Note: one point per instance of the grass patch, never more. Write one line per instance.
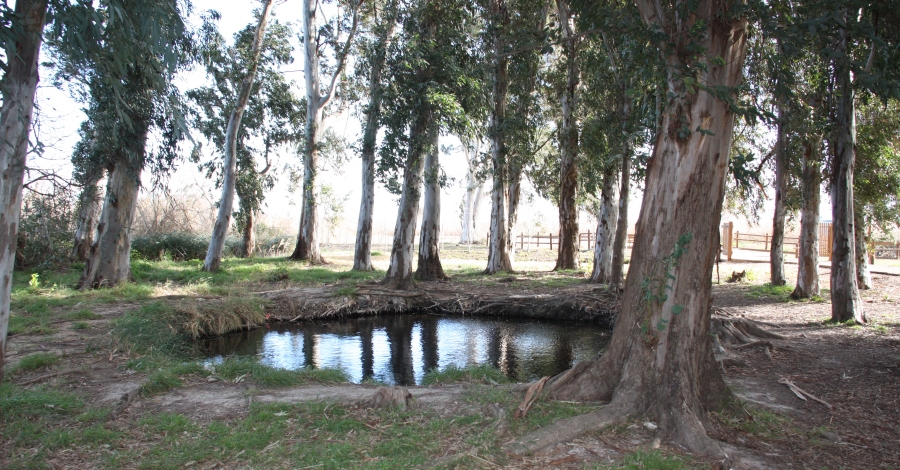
(757, 422)
(347, 291)
(248, 368)
(767, 290)
(80, 325)
(37, 361)
(83, 314)
(484, 374)
(653, 460)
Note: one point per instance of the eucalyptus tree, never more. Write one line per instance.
(82, 26)
(247, 86)
(474, 187)
(383, 19)
(248, 68)
(86, 173)
(315, 40)
(659, 362)
(433, 85)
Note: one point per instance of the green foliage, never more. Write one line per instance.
(83, 314)
(37, 361)
(153, 329)
(46, 229)
(782, 293)
(484, 374)
(653, 460)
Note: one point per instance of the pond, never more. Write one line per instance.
(400, 349)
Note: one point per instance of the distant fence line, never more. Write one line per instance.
(763, 242)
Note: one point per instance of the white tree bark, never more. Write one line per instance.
(89, 208)
(567, 257)
(607, 221)
(229, 165)
(307, 248)
(863, 275)
(473, 190)
(17, 87)
(808, 259)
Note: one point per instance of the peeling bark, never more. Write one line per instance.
(429, 264)
(229, 164)
(808, 259)
(863, 276)
(616, 277)
(660, 363)
(846, 304)
(17, 87)
(400, 273)
(89, 207)
(606, 228)
(567, 256)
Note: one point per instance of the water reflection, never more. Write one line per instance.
(400, 349)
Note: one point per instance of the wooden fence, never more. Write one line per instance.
(585, 241)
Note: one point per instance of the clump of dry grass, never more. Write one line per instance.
(217, 316)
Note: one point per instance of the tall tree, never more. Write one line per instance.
(87, 173)
(429, 263)
(272, 117)
(474, 185)
(307, 248)
(229, 164)
(384, 25)
(659, 362)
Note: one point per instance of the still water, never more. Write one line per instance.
(399, 349)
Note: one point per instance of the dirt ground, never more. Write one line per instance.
(855, 370)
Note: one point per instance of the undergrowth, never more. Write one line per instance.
(484, 374)
(248, 368)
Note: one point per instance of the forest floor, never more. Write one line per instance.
(93, 382)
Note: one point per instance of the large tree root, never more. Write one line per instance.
(734, 332)
(563, 430)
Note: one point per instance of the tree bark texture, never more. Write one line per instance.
(499, 244)
(808, 259)
(846, 304)
(89, 207)
(616, 277)
(567, 256)
(473, 195)
(248, 238)
(863, 275)
(429, 265)
(229, 165)
(17, 88)
(307, 248)
(606, 228)
(660, 363)
(776, 254)
(109, 263)
(400, 273)
(362, 255)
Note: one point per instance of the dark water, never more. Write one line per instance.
(399, 349)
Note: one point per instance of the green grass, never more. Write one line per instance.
(80, 325)
(83, 314)
(654, 460)
(248, 368)
(473, 374)
(37, 361)
(760, 423)
(767, 290)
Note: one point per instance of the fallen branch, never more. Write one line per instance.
(531, 396)
(800, 393)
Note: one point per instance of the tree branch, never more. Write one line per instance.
(325, 98)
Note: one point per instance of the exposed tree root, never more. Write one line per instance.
(563, 430)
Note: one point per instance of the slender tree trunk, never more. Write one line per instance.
(307, 248)
(606, 228)
(248, 241)
(362, 255)
(616, 278)
(776, 254)
(846, 304)
(109, 263)
(863, 276)
(89, 207)
(567, 256)
(476, 209)
(659, 363)
(498, 254)
(17, 88)
(808, 259)
(229, 165)
(468, 235)
(513, 198)
(429, 266)
(400, 273)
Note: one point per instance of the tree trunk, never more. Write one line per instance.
(362, 255)
(429, 266)
(808, 259)
(400, 274)
(229, 165)
(846, 304)
(776, 254)
(567, 256)
(498, 246)
(17, 87)
(863, 276)
(659, 364)
(616, 278)
(468, 234)
(515, 195)
(109, 263)
(248, 242)
(606, 228)
(89, 206)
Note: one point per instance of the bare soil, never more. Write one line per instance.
(854, 369)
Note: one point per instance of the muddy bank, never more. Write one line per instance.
(586, 302)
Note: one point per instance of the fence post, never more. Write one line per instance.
(551, 241)
(728, 239)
